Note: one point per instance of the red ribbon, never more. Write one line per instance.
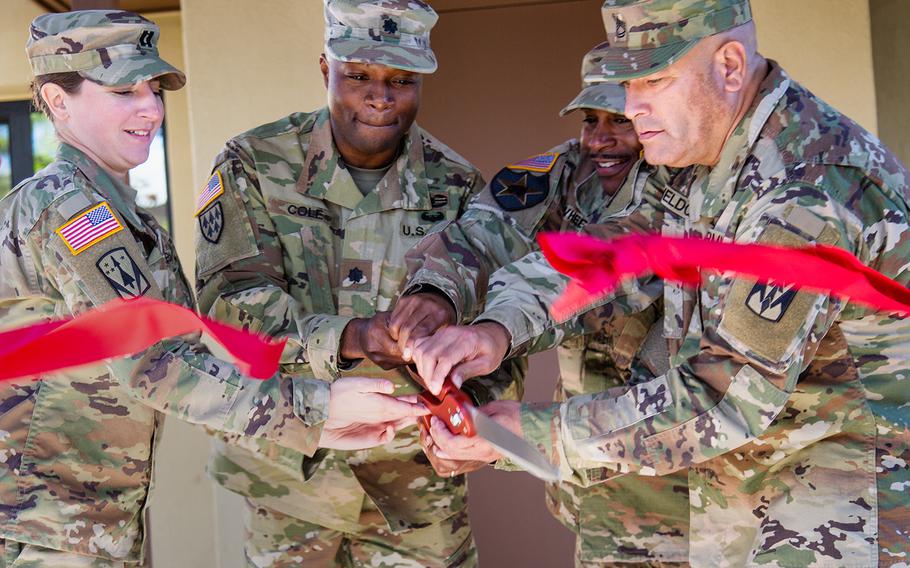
(120, 328)
(597, 267)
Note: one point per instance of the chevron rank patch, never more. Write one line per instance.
(212, 191)
(540, 163)
(517, 190)
(211, 223)
(89, 228)
(123, 274)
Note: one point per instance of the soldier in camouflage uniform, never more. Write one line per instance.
(77, 446)
(786, 407)
(631, 519)
(316, 212)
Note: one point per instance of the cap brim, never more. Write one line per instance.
(620, 64)
(417, 60)
(131, 70)
(593, 96)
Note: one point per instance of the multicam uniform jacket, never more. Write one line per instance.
(300, 252)
(629, 518)
(788, 408)
(76, 447)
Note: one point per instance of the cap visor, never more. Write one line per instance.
(620, 64)
(413, 59)
(130, 70)
(594, 97)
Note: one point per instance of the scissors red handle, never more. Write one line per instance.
(451, 406)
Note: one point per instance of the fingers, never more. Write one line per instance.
(367, 385)
(481, 365)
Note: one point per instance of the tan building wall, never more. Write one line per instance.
(15, 74)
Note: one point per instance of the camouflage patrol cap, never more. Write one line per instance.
(110, 47)
(646, 36)
(595, 93)
(395, 33)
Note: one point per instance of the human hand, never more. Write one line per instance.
(369, 338)
(463, 448)
(443, 467)
(460, 351)
(361, 400)
(417, 316)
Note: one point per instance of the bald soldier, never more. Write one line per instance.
(303, 236)
(786, 408)
(588, 180)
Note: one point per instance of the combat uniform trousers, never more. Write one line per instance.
(17, 555)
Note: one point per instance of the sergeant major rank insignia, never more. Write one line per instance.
(211, 218)
(770, 300)
(123, 274)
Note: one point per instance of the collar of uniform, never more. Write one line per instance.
(403, 187)
(121, 196)
(708, 198)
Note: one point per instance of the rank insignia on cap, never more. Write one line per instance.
(89, 228)
(123, 274)
(211, 223)
(213, 189)
(539, 163)
(514, 191)
(770, 300)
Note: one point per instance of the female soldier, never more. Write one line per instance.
(76, 447)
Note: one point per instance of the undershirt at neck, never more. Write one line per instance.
(366, 180)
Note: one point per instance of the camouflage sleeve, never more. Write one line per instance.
(241, 278)
(729, 384)
(520, 293)
(176, 376)
(459, 259)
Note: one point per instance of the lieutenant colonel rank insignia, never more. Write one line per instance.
(540, 163)
(517, 190)
(356, 275)
(212, 190)
(123, 274)
(211, 222)
(89, 228)
(770, 300)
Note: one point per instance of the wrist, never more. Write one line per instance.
(350, 340)
(497, 335)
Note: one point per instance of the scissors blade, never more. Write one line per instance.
(513, 447)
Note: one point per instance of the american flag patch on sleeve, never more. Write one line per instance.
(539, 163)
(89, 228)
(210, 192)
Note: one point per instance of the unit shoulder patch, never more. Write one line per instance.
(123, 274)
(517, 190)
(540, 163)
(213, 189)
(89, 228)
(211, 223)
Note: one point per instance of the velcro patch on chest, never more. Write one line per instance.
(516, 190)
(89, 228)
(356, 275)
(540, 163)
(213, 189)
